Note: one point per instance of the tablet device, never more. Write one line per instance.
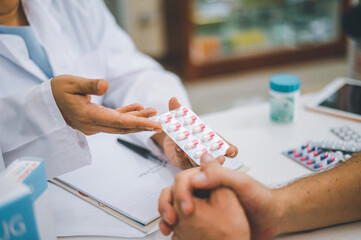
(342, 97)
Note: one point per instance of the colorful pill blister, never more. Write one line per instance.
(313, 157)
(190, 133)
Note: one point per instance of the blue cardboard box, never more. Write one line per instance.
(17, 219)
(31, 172)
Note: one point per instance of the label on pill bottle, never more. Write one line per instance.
(283, 108)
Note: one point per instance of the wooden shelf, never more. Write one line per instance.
(180, 29)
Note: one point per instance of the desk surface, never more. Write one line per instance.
(260, 143)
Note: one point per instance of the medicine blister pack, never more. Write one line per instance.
(313, 157)
(346, 134)
(191, 134)
(339, 145)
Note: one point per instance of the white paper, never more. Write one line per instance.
(76, 217)
(122, 179)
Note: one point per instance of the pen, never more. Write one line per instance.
(146, 153)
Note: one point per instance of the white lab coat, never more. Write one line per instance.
(80, 38)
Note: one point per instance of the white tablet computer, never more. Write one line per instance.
(342, 97)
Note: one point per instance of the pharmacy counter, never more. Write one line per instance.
(261, 143)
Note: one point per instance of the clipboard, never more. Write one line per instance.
(144, 228)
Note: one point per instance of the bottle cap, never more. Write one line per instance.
(284, 82)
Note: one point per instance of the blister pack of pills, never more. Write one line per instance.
(191, 134)
(339, 145)
(313, 157)
(346, 134)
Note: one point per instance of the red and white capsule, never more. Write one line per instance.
(173, 127)
(182, 136)
(165, 119)
(199, 128)
(217, 145)
(199, 153)
(191, 145)
(190, 120)
(207, 137)
(181, 112)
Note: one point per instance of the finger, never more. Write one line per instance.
(174, 104)
(131, 121)
(182, 191)
(206, 158)
(222, 196)
(214, 176)
(147, 113)
(209, 158)
(165, 207)
(164, 228)
(221, 159)
(232, 151)
(129, 108)
(93, 129)
(108, 117)
(84, 86)
(193, 164)
(182, 159)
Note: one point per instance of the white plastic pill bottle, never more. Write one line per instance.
(284, 97)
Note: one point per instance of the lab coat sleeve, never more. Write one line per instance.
(31, 125)
(134, 77)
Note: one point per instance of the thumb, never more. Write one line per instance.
(174, 104)
(223, 197)
(85, 86)
(214, 176)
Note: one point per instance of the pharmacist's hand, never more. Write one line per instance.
(175, 154)
(72, 95)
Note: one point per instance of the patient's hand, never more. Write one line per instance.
(175, 154)
(219, 217)
(265, 207)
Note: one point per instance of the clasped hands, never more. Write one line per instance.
(236, 206)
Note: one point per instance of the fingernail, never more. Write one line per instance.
(165, 218)
(208, 158)
(200, 177)
(179, 149)
(184, 207)
(99, 83)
